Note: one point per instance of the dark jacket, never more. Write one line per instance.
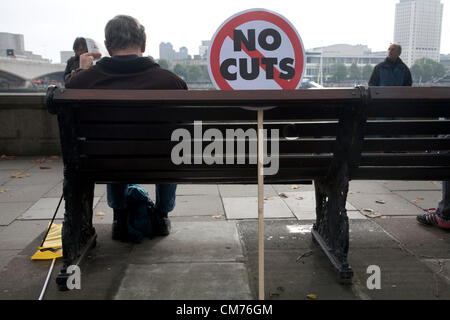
(72, 64)
(134, 73)
(388, 73)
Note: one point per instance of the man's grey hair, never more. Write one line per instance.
(123, 32)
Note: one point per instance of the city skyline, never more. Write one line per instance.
(320, 23)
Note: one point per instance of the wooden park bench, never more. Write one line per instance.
(330, 136)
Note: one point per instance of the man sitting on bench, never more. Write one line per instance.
(125, 41)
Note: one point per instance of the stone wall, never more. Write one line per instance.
(26, 127)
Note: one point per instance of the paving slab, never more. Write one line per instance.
(9, 211)
(56, 191)
(397, 185)
(101, 272)
(292, 187)
(35, 178)
(198, 205)
(403, 275)
(192, 242)
(185, 281)
(45, 208)
(367, 186)
(393, 205)
(20, 233)
(287, 276)
(422, 199)
(16, 164)
(197, 189)
(49, 165)
(424, 241)
(5, 176)
(247, 208)
(103, 214)
(303, 205)
(27, 193)
(441, 267)
(244, 190)
(6, 256)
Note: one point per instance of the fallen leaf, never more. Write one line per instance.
(53, 157)
(380, 201)
(44, 167)
(268, 198)
(5, 157)
(218, 216)
(417, 200)
(99, 213)
(299, 198)
(350, 192)
(283, 195)
(304, 255)
(312, 296)
(372, 215)
(367, 210)
(38, 160)
(294, 187)
(20, 175)
(3, 190)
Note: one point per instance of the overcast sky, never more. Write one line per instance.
(50, 26)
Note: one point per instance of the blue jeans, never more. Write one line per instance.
(165, 196)
(443, 209)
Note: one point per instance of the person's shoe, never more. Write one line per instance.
(119, 226)
(163, 225)
(432, 219)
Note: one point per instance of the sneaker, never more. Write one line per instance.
(432, 219)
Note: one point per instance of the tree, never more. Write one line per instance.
(338, 72)
(424, 70)
(355, 73)
(367, 72)
(180, 70)
(163, 64)
(193, 73)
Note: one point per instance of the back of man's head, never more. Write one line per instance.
(124, 32)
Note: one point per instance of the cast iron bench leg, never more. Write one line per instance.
(331, 230)
(78, 234)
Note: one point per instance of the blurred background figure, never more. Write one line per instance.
(79, 47)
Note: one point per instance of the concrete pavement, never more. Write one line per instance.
(212, 250)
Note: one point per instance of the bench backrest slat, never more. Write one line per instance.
(382, 132)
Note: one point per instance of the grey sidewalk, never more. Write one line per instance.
(212, 250)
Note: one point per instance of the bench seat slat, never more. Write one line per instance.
(155, 164)
(402, 173)
(408, 127)
(139, 131)
(162, 147)
(186, 114)
(405, 144)
(407, 160)
(200, 176)
(408, 109)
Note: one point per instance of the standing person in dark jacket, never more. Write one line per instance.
(125, 41)
(392, 71)
(79, 47)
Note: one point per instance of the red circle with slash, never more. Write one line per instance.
(226, 31)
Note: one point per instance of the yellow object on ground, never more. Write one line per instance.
(52, 247)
